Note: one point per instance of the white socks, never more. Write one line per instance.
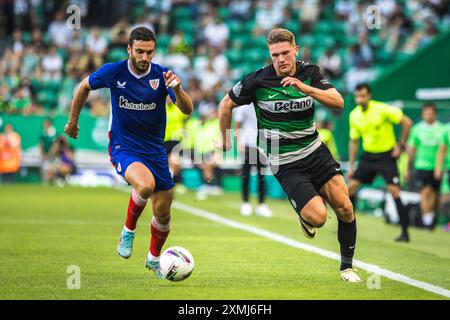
(428, 218)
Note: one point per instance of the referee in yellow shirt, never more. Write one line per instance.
(373, 122)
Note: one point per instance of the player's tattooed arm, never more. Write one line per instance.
(183, 100)
(329, 97)
(71, 128)
(225, 113)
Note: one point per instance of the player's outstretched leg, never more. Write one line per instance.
(312, 216)
(160, 228)
(336, 194)
(143, 184)
(135, 207)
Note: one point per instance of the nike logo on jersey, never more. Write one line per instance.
(273, 95)
(121, 85)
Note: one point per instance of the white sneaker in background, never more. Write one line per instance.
(246, 209)
(263, 210)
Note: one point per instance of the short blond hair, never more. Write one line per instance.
(280, 35)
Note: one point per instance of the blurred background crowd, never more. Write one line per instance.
(211, 44)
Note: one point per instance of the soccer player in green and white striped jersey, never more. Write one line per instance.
(283, 94)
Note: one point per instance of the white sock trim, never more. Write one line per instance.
(151, 257)
(128, 230)
(160, 227)
(138, 199)
(428, 218)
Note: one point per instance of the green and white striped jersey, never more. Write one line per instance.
(286, 128)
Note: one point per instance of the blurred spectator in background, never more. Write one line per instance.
(324, 126)
(216, 32)
(120, 31)
(220, 64)
(305, 54)
(210, 80)
(309, 13)
(64, 160)
(59, 34)
(23, 101)
(269, 13)
(52, 64)
(96, 46)
(31, 60)
(172, 139)
(206, 151)
(46, 141)
(240, 9)
(330, 63)
(421, 37)
(343, 8)
(17, 45)
(423, 144)
(10, 144)
(246, 132)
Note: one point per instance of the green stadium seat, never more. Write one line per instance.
(249, 26)
(323, 26)
(117, 54)
(181, 12)
(224, 12)
(293, 25)
(259, 42)
(255, 55)
(163, 40)
(233, 55)
(51, 84)
(305, 40)
(324, 40)
(47, 98)
(185, 25)
(234, 26)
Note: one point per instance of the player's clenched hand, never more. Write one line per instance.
(71, 129)
(294, 82)
(171, 79)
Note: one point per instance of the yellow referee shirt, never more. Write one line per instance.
(375, 126)
(175, 123)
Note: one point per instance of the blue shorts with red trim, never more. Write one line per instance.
(158, 166)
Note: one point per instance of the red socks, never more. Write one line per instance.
(159, 235)
(135, 208)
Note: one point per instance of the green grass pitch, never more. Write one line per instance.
(43, 230)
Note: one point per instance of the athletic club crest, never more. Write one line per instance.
(154, 83)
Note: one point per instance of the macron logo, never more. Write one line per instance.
(121, 85)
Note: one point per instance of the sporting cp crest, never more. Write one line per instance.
(154, 83)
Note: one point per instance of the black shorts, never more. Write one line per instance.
(372, 164)
(170, 145)
(426, 178)
(303, 179)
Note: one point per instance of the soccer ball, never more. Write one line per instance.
(176, 264)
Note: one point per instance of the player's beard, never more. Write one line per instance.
(140, 67)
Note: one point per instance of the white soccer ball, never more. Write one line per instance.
(176, 263)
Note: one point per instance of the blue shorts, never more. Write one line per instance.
(159, 167)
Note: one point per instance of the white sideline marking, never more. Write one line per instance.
(300, 245)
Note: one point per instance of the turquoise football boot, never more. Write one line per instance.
(125, 246)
